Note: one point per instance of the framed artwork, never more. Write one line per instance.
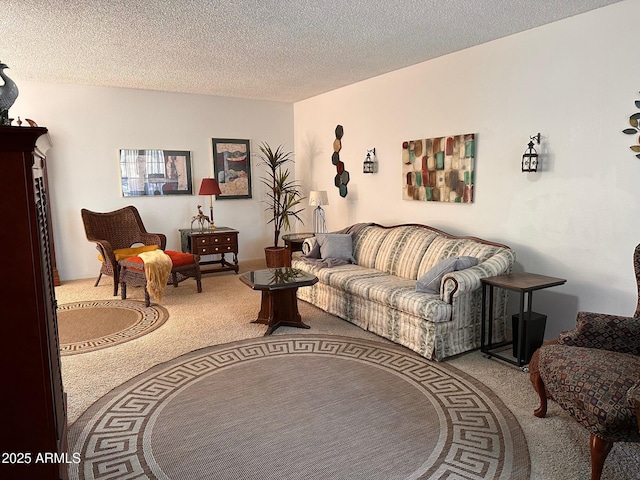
(232, 167)
(439, 169)
(155, 172)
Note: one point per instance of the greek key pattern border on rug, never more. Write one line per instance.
(149, 318)
(478, 443)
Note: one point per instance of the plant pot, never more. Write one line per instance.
(277, 257)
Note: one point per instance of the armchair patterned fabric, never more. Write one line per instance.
(593, 372)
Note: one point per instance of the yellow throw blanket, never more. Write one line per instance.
(157, 268)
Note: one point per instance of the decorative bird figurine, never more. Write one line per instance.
(8, 95)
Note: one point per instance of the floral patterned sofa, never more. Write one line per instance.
(377, 292)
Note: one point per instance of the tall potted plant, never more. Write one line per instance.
(283, 200)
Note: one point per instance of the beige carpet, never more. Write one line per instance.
(88, 326)
(222, 313)
(301, 407)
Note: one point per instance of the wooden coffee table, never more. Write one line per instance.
(279, 305)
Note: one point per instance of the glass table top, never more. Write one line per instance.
(274, 278)
(297, 236)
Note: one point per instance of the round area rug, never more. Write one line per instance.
(88, 326)
(300, 407)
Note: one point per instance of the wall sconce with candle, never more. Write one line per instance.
(530, 156)
(369, 162)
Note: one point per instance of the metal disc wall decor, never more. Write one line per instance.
(633, 121)
(342, 177)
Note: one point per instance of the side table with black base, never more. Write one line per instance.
(528, 326)
(279, 306)
(218, 241)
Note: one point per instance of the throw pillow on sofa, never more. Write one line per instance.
(430, 281)
(311, 248)
(466, 262)
(336, 245)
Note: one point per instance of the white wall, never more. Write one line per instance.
(575, 81)
(89, 125)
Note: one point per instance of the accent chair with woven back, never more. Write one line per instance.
(118, 235)
(136, 257)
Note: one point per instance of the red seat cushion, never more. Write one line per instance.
(178, 259)
(136, 260)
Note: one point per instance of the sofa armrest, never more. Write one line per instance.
(468, 280)
(609, 332)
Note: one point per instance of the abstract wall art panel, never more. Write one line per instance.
(232, 167)
(439, 169)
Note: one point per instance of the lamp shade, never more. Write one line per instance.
(209, 186)
(318, 197)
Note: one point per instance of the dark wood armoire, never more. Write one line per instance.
(33, 420)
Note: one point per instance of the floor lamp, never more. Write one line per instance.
(209, 186)
(317, 198)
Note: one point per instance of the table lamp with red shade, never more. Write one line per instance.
(209, 186)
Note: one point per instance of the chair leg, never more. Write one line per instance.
(198, 279)
(116, 278)
(600, 448)
(538, 384)
(98, 280)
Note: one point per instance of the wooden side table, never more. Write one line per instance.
(525, 284)
(218, 241)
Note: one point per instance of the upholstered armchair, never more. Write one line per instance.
(593, 372)
(117, 235)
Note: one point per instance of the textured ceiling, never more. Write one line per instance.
(259, 49)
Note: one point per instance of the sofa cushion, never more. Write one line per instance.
(366, 244)
(383, 289)
(481, 251)
(400, 293)
(402, 250)
(440, 249)
(443, 247)
(336, 245)
(342, 275)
